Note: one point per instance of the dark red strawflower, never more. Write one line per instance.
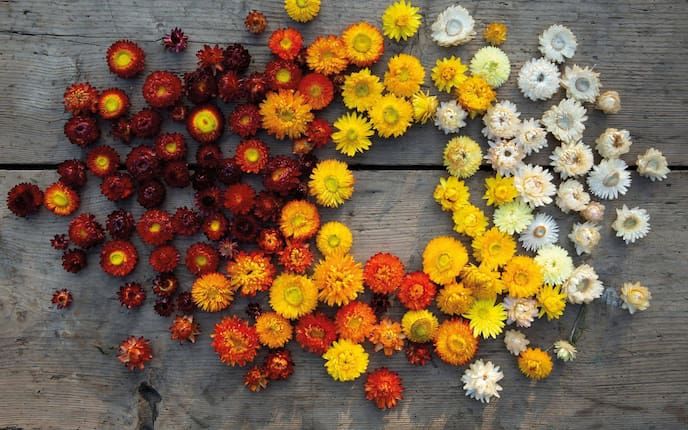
(253, 310)
(202, 258)
(202, 178)
(228, 248)
(73, 260)
(62, 298)
(143, 164)
(380, 303)
(282, 74)
(81, 98)
(319, 132)
(245, 120)
(125, 59)
(165, 284)
(82, 130)
(282, 174)
(300, 192)
(252, 155)
(85, 231)
(237, 58)
(338, 82)
(164, 258)
(60, 242)
(270, 240)
(162, 89)
(228, 172)
(209, 200)
(24, 199)
(315, 332)
(254, 87)
(121, 129)
(308, 163)
(117, 186)
(185, 302)
(267, 206)
(72, 173)
(178, 112)
(113, 103)
(170, 146)
(239, 198)
(215, 226)
(255, 22)
(176, 174)
(205, 123)
(135, 352)
(120, 224)
(131, 295)
(118, 257)
(256, 379)
(278, 364)
(146, 123)
(151, 194)
(244, 228)
(164, 306)
(186, 221)
(208, 156)
(199, 86)
(211, 58)
(175, 40)
(419, 353)
(229, 87)
(185, 328)
(155, 227)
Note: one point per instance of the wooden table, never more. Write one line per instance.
(58, 369)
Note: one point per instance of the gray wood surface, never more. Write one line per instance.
(58, 369)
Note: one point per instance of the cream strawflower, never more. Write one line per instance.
(593, 212)
(534, 185)
(572, 159)
(631, 224)
(609, 179)
(538, 79)
(583, 286)
(609, 102)
(450, 117)
(571, 196)
(635, 296)
(515, 342)
(557, 43)
(480, 381)
(453, 26)
(581, 84)
(501, 121)
(564, 350)
(531, 137)
(542, 231)
(566, 120)
(556, 264)
(505, 156)
(613, 143)
(586, 236)
(521, 311)
(491, 64)
(652, 164)
(512, 217)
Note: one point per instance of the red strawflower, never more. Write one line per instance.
(81, 99)
(235, 341)
(120, 224)
(199, 86)
(164, 258)
(155, 227)
(239, 198)
(74, 260)
(58, 199)
(229, 87)
(315, 333)
(252, 155)
(417, 291)
(185, 328)
(419, 354)
(384, 387)
(125, 59)
(202, 178)
(228, 248)
(85, 231)
(151, 194)
(319, 132)
(282, 74)
(162, 89)
(254, 87)
(131, 295)
(278, 364)
(282, 174)
(355, 321)
(62, 298)
(237, 58)
(135, 352)
(270, 240)
(121, 129)
(256, 379)
(60, 242)
(118, 257)
(165, 284)
(215, 226)
(164, 306)
(24, 199)
(202, 258)
(205, 123)
(72, 173)
(383, 273)
(245, 120)
(186, 221)
(146, 123)
(143, 163)
(211, 59)
(228, 172)
(185, 302)
(208, 156)
(113, 103)
(170, 146)
(267, 206)
(176, 174)
(285, 43)
(117, 186)
(317, 89)
(82, 130)
(102, 160)
(255, 23)
(175, 40)
(209, 200)
(178, 112)
(296, 257)
(244, 228)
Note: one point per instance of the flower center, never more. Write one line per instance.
(421, 329)
(611, 180)
(454, 27)
(102, 161)
(636, 297)
(205, 122)
(315, 91)
(285, 43)
(293, 295)
(362, 90)
(60, 199)
(456, 343)
(403, 75)
(201, 260)
(582, 84)
(302, 3)
(390, 115)
(332, 184)
(521, 278)
(494, 248)
(283, 76)
(252, 155)
(402, 20)
(584, 285)
(362, 42)
(155, 227)
(443, 261)
(352, 135)
(111, 104)
(123, 58)
(171, 147)
(540, 231)
(630, 222)
(285, 114)
(215, 225)
(298, 221)
(333, 241)
(117, 258)
(448, 73)
(558, 42)
(564, 121)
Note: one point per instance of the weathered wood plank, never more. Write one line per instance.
(631, 370)
(49, 45)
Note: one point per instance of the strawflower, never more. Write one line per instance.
(400, 20)
(448, 73)
(384, 387)
(302, 10)
(443, 259)
(492, 64)
(361, 90)
(455, 342)
(383, 273)
(331, 183)
(364, 43)
(387, 336)
(419, 326)
(564, 350)
(552, 302)
(462, 156)
(334, 237)
(345, 360)
(391, 116)
(455, 299)
(499, 190)
(451, 193)
(481, 381)
(424, 106)
(355, 321)
(285, 113)
(635, 297)
(535, 363)
(235, 341)
(327, 55)
(404, 76)
(339, 279)
(469, 220)
(494, 248)
(486, 318)
(273, 330)
(212, 292)
(475, 95)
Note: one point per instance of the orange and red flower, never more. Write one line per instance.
(296, 257)
(185, 328)
(205, 123)
(235, 341)
(384, 387)
(102, 161)
(81, 99)
(164, 258)
(135, 352)
(286, 43)
(317, 89)
(201, 258)
(355, 321)
(252, 155)
(131, 295)
(155, 227)
(113, 103)
(60, 199)
(162, 89)
(416, 291)
(118, 257)
(315, 333)
(383, 273)
(62, 298)
(125, 58)
(239, 198)
(244, 120)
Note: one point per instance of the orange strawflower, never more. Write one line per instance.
(135, 352)
(61, 199)
(327, 55)
(387, 336)
(235, 341)
(317, 89)
(383, 273)
(455, 343)
(364, 44)
(296, 257)
(495, 33)
(355, 321)
(81, 98)
(252, 272)
(384, 387)
(185, 328)
(299, 220)
(212, 292)
(535, 363)
(285, 113)
(339, 279)
(315, 333)
(274, 331)
(475, 95)
(286, 43)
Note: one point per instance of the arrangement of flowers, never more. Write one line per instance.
(502, 272)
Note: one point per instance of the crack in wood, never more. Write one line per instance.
(148, 399)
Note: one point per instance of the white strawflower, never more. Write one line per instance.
(515, 342)
(505, 157)
(556, 264)
(566, 120)
(652, 164)
(631, 224)
(534, 185)
(453, 26)
(609, 179)
(450, 117)
(557, 43)
(609, 102)
(572, 159)
(581, 84)
(542, 231)
(522, 311)
(571, 196)
(481, 379)
(585, 236)
(531, 137)
(501, 121)
(564, 350)
(613, 143)
(538, 79)
(512, 217)
(635, 296)
(583, 286)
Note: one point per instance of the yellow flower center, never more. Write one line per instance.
(298, 221)
(60, 199)
(293, 295)
(494, 248)
(117, 258)
(551, 303)
(333, 241)
(252, 155)
(402, 20)
(285, 43)
(362, 89)
(171, 147)
(215, 225)
(316, 333)
(403, 75)
(302, 3)
(332, 184)
(285, 114)
(201, 260)
(161, 91)
(482, 312)
(456, 343)
(112, 104)
(154, 228)
(352, 135)
(205, 122)
(390, 115)
(448, 73)
(315, 91)
(421, 329)
(123, 58)
(355, 322)
(235, 342)
(521, 278)
(636, 297)
(283, 76)
(417, 291)
(102, 161)
(362, 42)
(443, 261)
